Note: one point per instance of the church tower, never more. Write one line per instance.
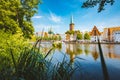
(71, 24)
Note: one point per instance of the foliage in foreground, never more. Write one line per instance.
(10, 44)
(31, 65)
(20, 61)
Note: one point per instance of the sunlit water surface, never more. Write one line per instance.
(87, 58)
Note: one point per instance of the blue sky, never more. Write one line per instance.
(56, 14)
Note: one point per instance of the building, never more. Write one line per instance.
(41, 34)
(111, 34)
(95, 33)
(72, 24)
(50, 33)
(70, 34)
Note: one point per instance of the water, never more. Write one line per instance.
(87, 57)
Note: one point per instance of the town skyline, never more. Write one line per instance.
(58, 17)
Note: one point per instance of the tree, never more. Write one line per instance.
(7, 14)
(86, 36)
(79, 36)
(59, 37)
(102, 3)
(69, 32)
(15, 15)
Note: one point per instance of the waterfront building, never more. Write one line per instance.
(41, 34)
(63, 37)
(111, 34)
(95, 33)
(67, 37)
(71, 35)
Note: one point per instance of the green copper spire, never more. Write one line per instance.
(72, 19)
(50, 31)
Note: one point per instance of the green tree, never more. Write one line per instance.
(102, 3)
(59, 37)
(79, 36)
(7, 14)
(15, 15)
(69, 32)
(86, 36)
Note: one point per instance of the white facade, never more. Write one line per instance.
(95, 38)
(116, 36)
(63, 37)
(73, 37)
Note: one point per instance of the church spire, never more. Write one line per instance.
(72, 19)
(71, 24)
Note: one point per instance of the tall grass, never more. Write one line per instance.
(32, 65)
(103, 64)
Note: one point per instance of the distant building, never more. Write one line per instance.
(67, 37)
(40, 34)
(111, 34)
(72, 36)
(95, 33)
(63, 37)
(72, 24)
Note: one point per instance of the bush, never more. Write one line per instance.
(10, 44)
(20, 61)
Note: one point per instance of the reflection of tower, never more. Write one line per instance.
(70, 50)
(73, 50)
(71, 24)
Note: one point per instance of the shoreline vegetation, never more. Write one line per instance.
(23, 61)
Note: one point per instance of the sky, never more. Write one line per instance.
(56, 14)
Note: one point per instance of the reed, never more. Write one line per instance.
(33, 65)
(103, 64)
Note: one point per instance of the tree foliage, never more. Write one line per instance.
(101, 3)
(86, 36)
(15, 15)
(79, 36)
(10, 43)
(69, 32)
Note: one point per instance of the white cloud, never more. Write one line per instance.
(54, 17)
(39, 28)
(37, 17)
(55, 28)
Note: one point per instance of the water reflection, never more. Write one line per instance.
(91, 49)
(87, 49)
(73, 50)
(77, 49)
(103, 63)
(90, 53)
(111, 51)
(94, 52)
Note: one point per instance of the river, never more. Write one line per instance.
(88, 59)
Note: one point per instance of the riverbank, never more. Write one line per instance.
(87, 42)
(77, 42)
